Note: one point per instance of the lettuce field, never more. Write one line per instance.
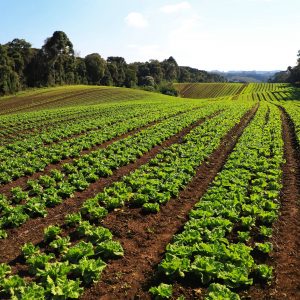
(114, 193)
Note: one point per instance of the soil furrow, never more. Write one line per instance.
(286, 238)
(10, 247)
(144, 237)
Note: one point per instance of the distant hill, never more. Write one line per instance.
(73, 96)
(208, 90)
(247, 76)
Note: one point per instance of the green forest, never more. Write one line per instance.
(22, 66)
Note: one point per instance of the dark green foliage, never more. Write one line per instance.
(22, 66)
(95, 66)
(117, 67)
(9, 79)
(171, 69)
(59, 56)
(167, 88)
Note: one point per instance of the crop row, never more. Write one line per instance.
(270, 96)
(232, 223)
(264, 87)
(27, 157)
(208, 90)
(81, 124)
(294, 111)
(164, 176)
(70, 257)
(25, 125)
(50, 190)
(28, 120)
(68, 260)
(34, 100)
(76, 96)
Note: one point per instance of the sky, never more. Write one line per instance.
(205, 34)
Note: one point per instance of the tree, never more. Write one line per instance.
(21, 54)
(155, 70)
(185, 75)
(142, 72)
(131, 76)
(80, 71)
(37, 70)
(9, 79)
(148, 81)
(167, 88)
(56, 64)
(117, 67)
(59, 55)
(171, 69)
(95, 66)
(106, 79)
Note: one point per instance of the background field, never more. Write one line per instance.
(109, 192)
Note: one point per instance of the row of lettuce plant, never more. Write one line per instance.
(64, 127)
(61, 124)
(230, 227)
(156, 182)
(66, 130)
(264, 87)
(70, 258)
(30, 119)
(50, 190)
(29, 102)
(26, 121)
(28, 157)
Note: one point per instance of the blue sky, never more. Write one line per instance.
(207, 34)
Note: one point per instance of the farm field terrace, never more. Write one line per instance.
(114, 193)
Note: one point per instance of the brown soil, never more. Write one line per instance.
(144, 237)
(10, 247)
(286, 239)
(287, 229)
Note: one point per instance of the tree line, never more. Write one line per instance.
(22, 66)
(291, 75)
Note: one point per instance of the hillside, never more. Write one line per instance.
(208, 90)
(114, 193)
(251, 91)
(71, 96)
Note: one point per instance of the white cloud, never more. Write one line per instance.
(136, 20)
(174, 8)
